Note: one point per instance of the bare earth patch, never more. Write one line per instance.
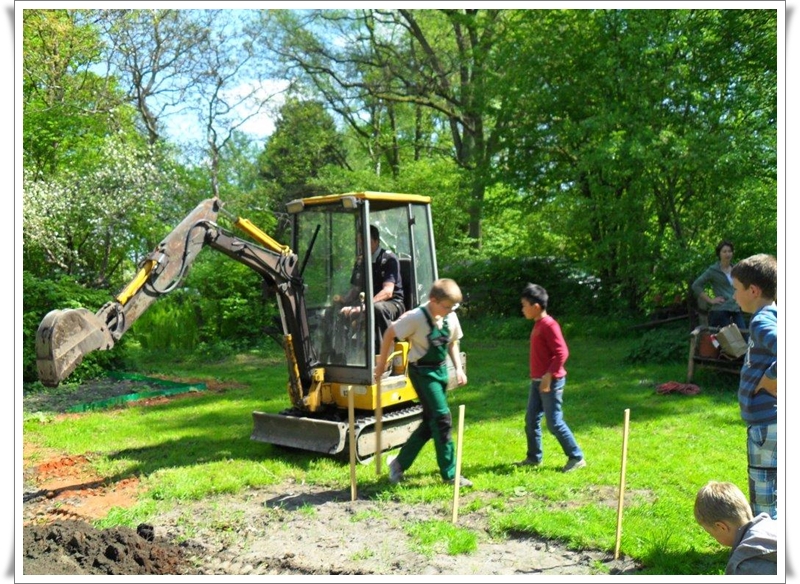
(286, 529)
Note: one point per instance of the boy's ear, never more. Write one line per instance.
(722, 526)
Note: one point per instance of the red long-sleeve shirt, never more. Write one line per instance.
(549, 350)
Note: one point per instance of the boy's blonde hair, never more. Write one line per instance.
(718, 501)
(446, 289)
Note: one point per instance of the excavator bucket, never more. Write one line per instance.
(63, 338)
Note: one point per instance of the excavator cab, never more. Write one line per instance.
(330, 358)
(328, 234)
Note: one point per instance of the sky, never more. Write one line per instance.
(260, 127)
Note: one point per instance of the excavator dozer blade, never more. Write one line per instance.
(300, 432)
(63, 338)
(333, 437)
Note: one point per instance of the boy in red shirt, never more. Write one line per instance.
(548, 354)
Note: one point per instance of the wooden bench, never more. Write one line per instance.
(699, 355)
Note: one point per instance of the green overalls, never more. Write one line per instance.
(429, 377)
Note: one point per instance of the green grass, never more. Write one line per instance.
(190, 448)
(436, 536)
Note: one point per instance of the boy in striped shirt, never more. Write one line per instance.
(754, 288)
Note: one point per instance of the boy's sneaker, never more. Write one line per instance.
(574, 463)
(462, 482)
(395, 472)
(528, 462)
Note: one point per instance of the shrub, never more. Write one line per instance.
(493, 285)
(662, 345)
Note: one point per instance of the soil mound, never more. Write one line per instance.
(75, 547)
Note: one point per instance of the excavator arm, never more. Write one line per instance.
(64, 337)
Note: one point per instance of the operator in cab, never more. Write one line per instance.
(387, 286)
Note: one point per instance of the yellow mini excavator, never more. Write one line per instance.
(329, 357)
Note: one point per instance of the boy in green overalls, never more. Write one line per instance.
(433, 331)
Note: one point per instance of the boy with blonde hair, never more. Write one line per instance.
(434, 332)
(724, 513)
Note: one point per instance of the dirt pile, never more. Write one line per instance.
(75, 547)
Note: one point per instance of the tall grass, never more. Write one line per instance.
(193, 447)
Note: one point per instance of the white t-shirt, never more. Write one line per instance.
(413, 327)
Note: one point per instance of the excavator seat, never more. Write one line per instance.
(406, 274)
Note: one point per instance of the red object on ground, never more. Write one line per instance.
(675, 387)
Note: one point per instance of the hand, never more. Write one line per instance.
(718, 300)
(380, 367)
(461, 378)
(350, 310)
(768, 385)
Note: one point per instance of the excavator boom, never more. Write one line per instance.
(64, 337)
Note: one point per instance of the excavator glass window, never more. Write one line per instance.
(337, 275)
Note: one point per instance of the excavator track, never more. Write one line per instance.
(330, 433)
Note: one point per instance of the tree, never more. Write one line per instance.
(159, 56)
(645, 124)
(197, 62)
(305, 140)
(92, 224)
(440, 61)
(68, 109)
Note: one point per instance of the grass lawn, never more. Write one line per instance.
(189, 448)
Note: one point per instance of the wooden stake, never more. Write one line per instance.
(457, 481)
(621, 502)
(351, 416)
(378, 428)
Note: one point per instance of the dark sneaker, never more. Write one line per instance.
(528, 462)
(395, 472)
(462, 482)
(574, 463)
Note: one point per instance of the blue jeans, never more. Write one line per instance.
(721, 318)
(548, 405)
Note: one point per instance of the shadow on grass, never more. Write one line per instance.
(690, 562)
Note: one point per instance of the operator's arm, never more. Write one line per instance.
(384, 293)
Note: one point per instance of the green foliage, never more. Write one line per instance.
(228, 301)
(661, 345)
(89, 222)
(170, 324)
(493, 286)
(642, 186)
(40, 296)
(68, 109)
(305, 141)
(220, 309)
